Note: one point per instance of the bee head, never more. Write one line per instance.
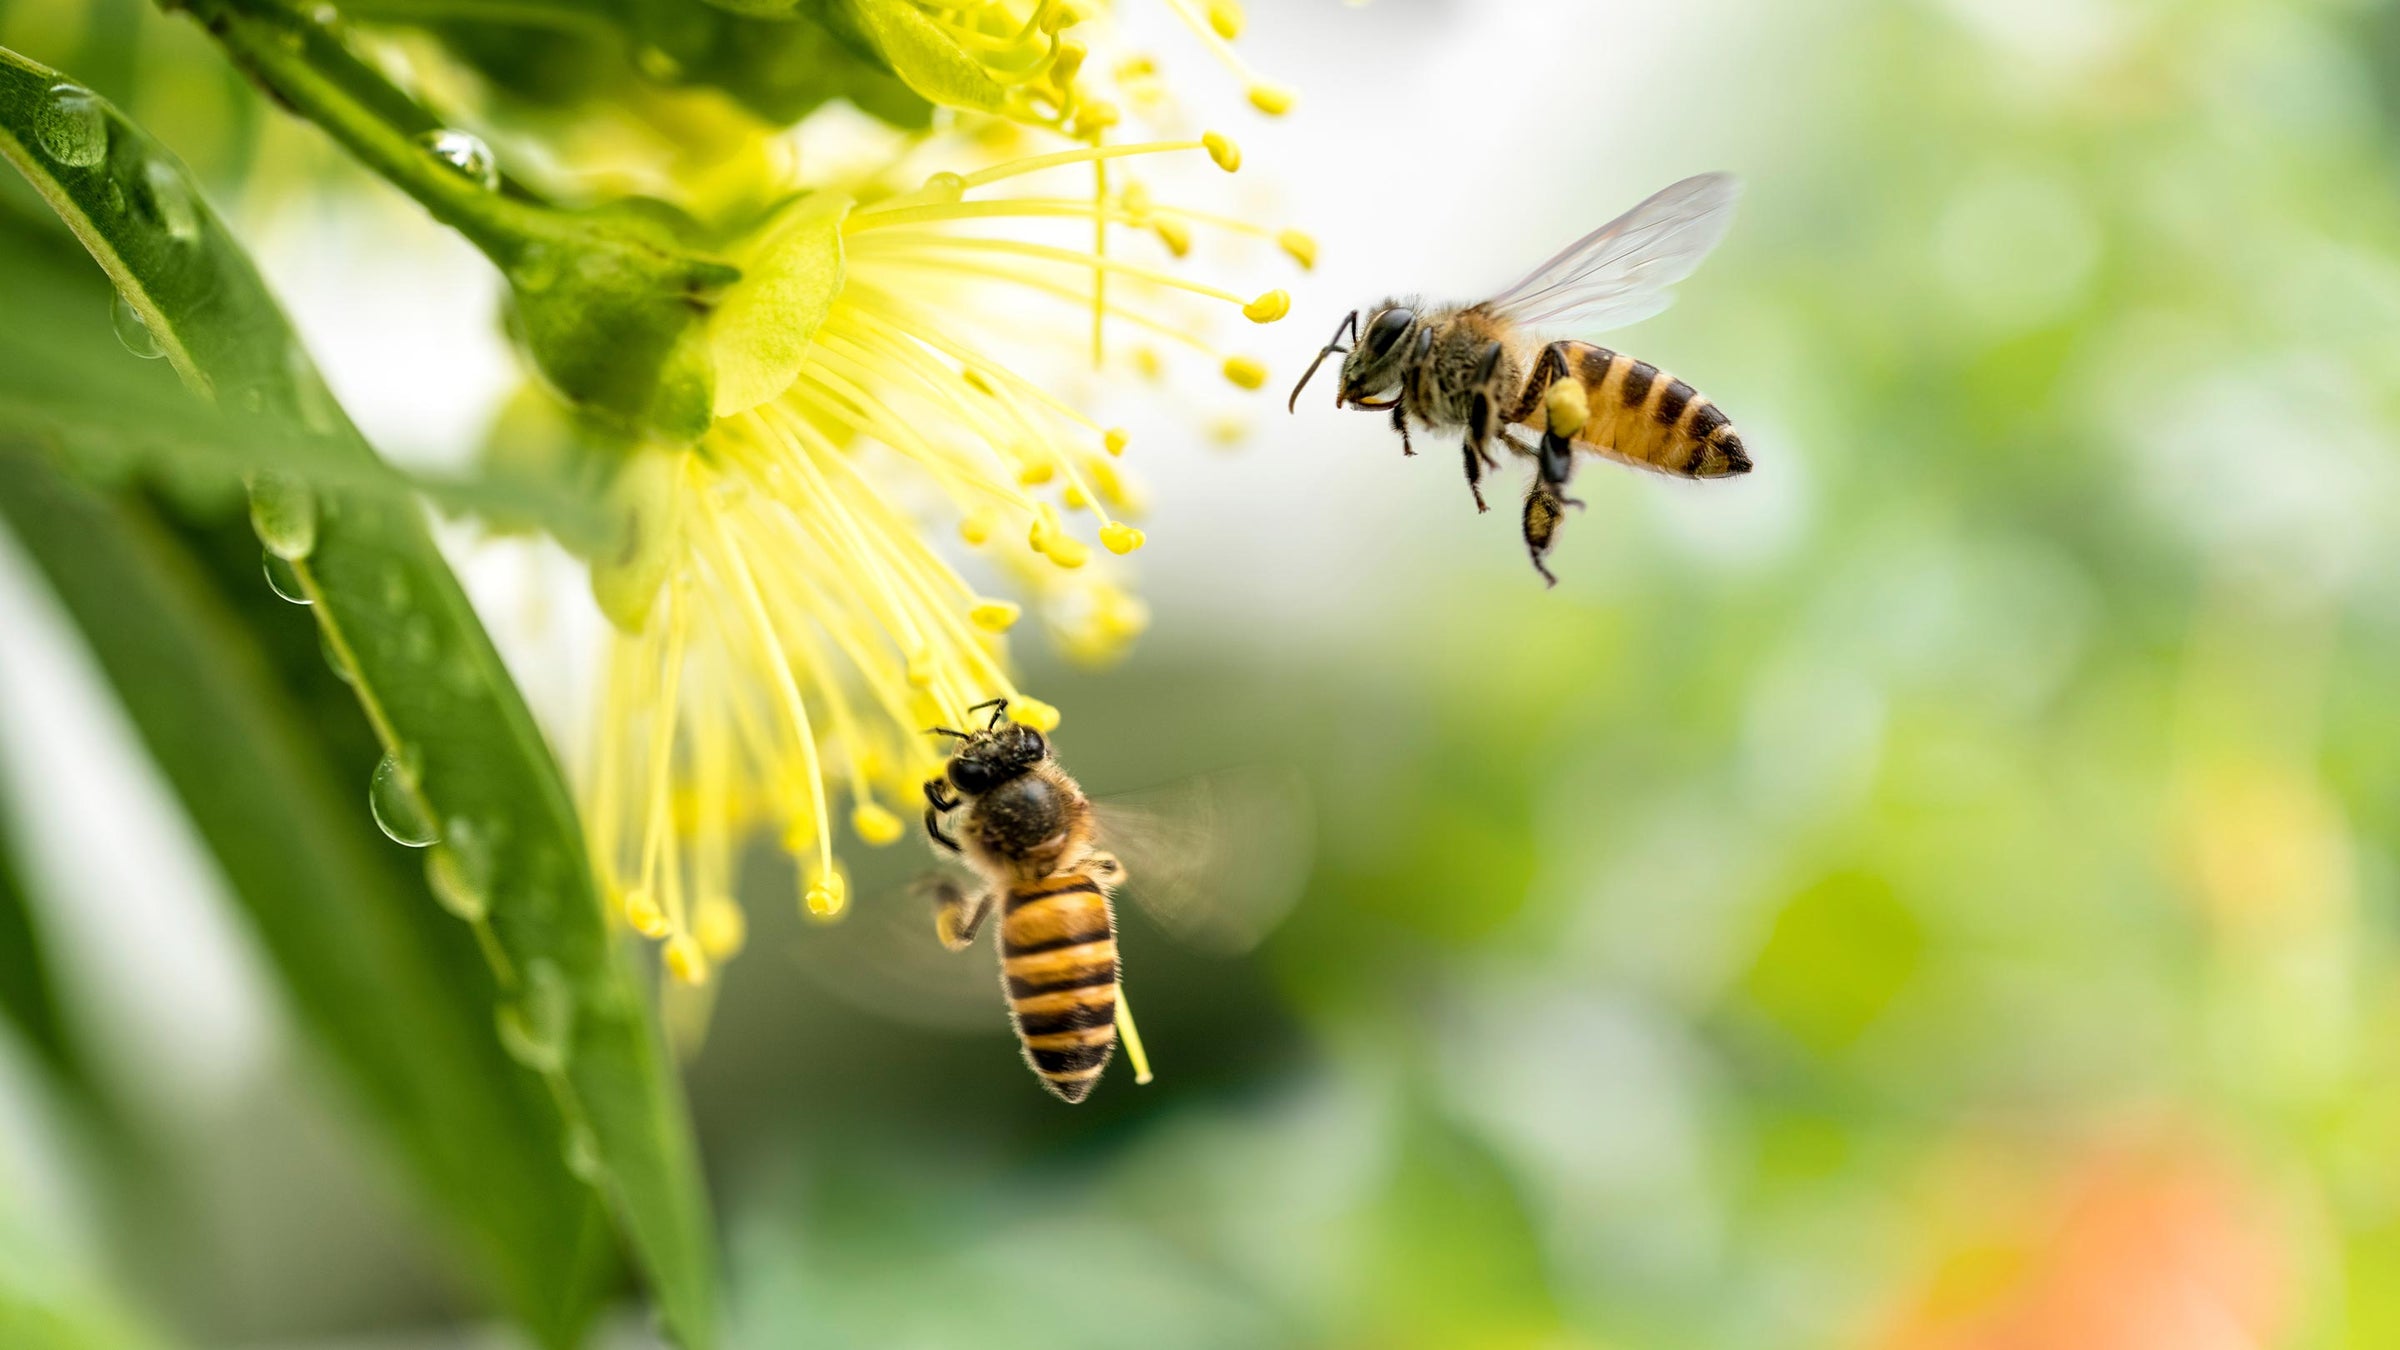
(1371, 363)
(1000, 752)
(1374, 361)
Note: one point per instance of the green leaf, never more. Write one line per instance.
(46, 1304)
(467, 759)
(791, 272)
(926, 57)
(28, 999)
(396, 990)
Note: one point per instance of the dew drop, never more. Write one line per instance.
(536, 268)
(166, 198)
(459, 871)
(657, 63)
(534, 1029)
(72, 126)
(134, 331)
(283, 513)
(116, 196)
(465, 152)
(399, 808)
(285, 582)
(339, 664)
(417, 640)
(583, 1155)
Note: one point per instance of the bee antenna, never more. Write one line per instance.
(1332, 345)
(999, 707)
(945, 731)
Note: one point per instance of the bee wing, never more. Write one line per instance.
(1620, 273)
(1218, 860)
(885, 958)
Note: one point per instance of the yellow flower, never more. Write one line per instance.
(787, 623)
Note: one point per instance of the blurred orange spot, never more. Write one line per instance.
(2147, 1249)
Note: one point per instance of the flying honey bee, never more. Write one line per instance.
(1479, 368)
(1034, 840)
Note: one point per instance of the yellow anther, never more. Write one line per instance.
(994, 616)
(945, 187)
(1176, 235)
(1568, 407)
(827, 895)
(1069, 63)
(1226, 17)
(1121, 538)
(1140, 66)
(643, 913)
(1068, 552)
(1033, 713)
(1108, 482)
(722, 927)
(1034, 472)
(1302, 247)
(1272, 99)
(1229, 430)
(1222, 149)
(876, 825)
(1135, 198)
(1269, 307)
(686, 960)
(1044, 529)
(1148, 364)
(976, 528)
(1075, 497)
(1094, 116)
(1246, 371)
(1116, 439)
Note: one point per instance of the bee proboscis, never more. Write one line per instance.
(1480, 368)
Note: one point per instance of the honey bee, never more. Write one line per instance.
(1029, 833)
(1478, 368)
(1034, 842)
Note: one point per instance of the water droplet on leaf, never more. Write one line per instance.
(340, 665)
(72, 126)
(459, 871)
(134, 331)
(583, 1155)
(285, 582)
(398, 806)
(166, 198)
(283, 513)
(535, 1028)
(465, 152)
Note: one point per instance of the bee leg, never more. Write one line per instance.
(1400, 424)
(1475, 476)
(938, 799)
(957, 916)
(1544, 509)
(1105, 869)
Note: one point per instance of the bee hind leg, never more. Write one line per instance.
(1400, 424)
(958, 916)
(1545, 508)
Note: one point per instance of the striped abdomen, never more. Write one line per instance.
(1642, 414)
(1058, 960)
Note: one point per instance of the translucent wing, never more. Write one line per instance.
(1621, 272)
(1218, 860)
(883, 957)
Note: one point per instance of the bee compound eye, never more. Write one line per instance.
(1387, 328)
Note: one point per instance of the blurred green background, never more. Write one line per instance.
(1935, 893)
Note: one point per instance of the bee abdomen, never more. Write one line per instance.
(1644, 414)
(1058, 949)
